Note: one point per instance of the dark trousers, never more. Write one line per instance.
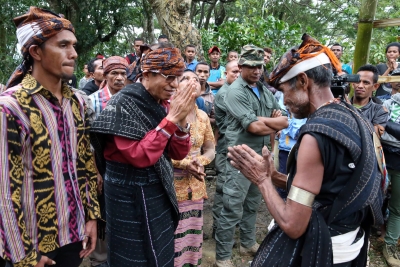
(66, 256)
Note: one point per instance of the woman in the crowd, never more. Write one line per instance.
(385, 69)
(190, 186)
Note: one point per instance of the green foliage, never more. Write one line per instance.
(269, 32)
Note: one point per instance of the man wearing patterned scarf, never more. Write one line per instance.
(334, 184)
(48, 206)
(135, 137)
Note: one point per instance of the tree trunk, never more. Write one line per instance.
(209, 12)
(148, 22)
(364, 33)
(201, 15)
(174, 19)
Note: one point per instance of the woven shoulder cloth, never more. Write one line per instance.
(132, 113)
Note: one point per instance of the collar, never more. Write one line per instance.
(217, 68)
(193, 62)
(32, 86)
(363, 107)
(208, 89)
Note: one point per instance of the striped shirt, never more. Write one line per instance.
(47, 176)
(99, 99)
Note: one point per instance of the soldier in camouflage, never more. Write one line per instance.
(252, 115)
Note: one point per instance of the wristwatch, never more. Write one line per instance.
(186, 129)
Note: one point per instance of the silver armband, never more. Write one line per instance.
(301, 196)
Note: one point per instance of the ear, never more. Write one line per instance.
(376, 86)
(145, 75)
(35, 52)
(302, 81)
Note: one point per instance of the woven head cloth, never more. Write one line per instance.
(34, 28)
(308, 55)
(167, 61)
(251, 55)
(113, 63)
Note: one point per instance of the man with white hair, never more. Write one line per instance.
(334, 184)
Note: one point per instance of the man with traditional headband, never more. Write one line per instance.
(252, 114)
(48, 203)
(135, 137)
(334, 184)
(114, 72)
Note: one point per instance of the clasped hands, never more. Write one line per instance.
(196, 169)
(254, 167)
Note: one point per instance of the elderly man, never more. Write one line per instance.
(114, 80)
(114, 72)
(135, 137)
(334, 184)
(252, 114)
(48, 203)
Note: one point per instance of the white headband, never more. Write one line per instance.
(26, 32)
(305, 65)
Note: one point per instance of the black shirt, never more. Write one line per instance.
(90, 88)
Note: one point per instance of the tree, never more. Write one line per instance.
(174, 18)
(367, 16)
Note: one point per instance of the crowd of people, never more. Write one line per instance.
(115, 169)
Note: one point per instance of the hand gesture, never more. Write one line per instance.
(254, 167)
(89, 243)
(196, 169)
(45, 261)
(182, 102)
(276, 113)
(392, 64)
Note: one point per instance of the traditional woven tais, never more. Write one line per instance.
(39, 26)
(140, 227)
(363, 190)
(132, 113)
(189, 234)
(167, 61)
(47, 179)
(309, 48)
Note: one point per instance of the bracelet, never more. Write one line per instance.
(184, 130)
(301, 196)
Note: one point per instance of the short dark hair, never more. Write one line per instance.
(163, 36)
(396, 44)
(321, 75)
(165, 45)
(233, 51)
(91, 66)
(190, 45)
(268, 50)
(337, 44)
(202, 63)
(138, 39)
(372, 69)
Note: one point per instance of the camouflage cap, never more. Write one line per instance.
(251, 55)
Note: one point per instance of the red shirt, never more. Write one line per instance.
(146, 152)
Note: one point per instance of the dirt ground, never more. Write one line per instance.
(263, 220)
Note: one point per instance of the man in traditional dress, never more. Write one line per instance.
(114, 69)
(48, 199)
(134, 138)
(334, 185)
